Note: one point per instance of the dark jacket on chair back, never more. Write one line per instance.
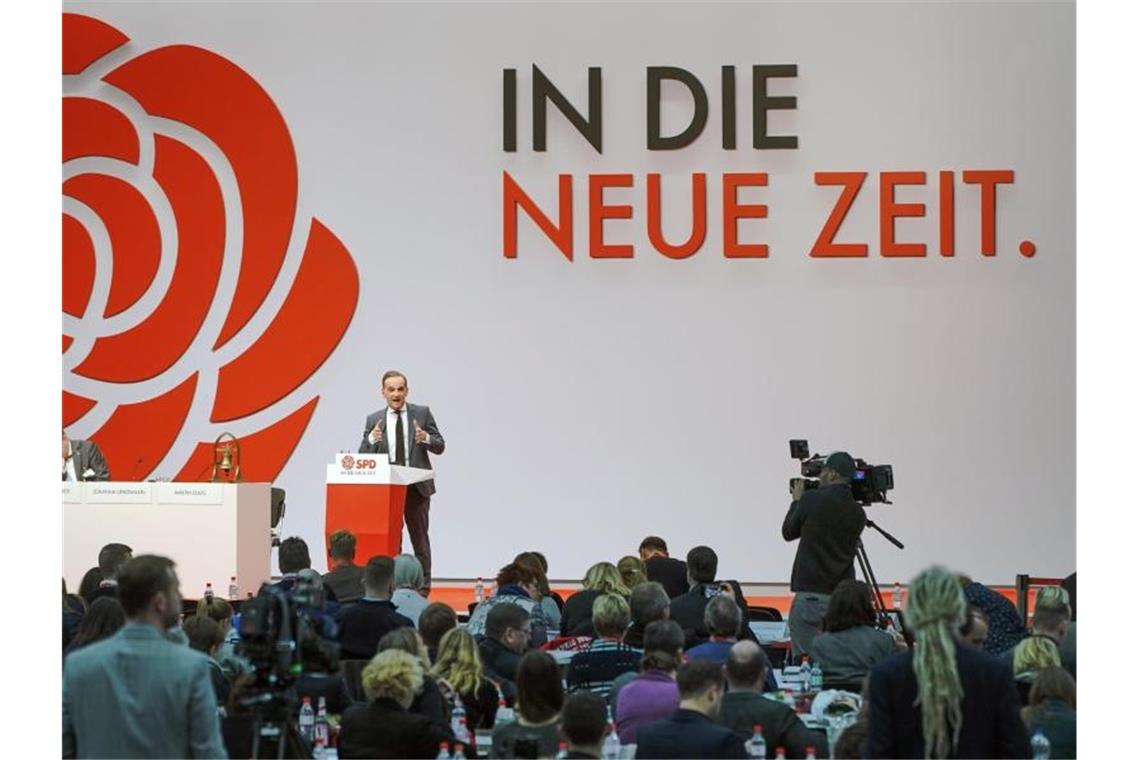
(363, 624)
(687, 733)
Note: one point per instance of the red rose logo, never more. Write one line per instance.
(346, 462)
(192, 292)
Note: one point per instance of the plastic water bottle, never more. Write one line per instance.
(809, 753)
(321, 727)
(805, 675)
(1040, 746)
(480, 591)
(444, 754)
(896, 597)
(816, 678)
(611, 748)
(460, 753)
(209, 592)
(757, 747)
(320, 746)
(307, 719)
(563, 751)
(234, 591)
(780, 753)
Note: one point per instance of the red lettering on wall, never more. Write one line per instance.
(699, 216)
(825, 247)
(989, 180)
(734, 211)
(562, 236)
(889, 211)
(946, 213)
(599, 212)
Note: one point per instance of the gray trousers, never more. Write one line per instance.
(804, 620)
(416, 507)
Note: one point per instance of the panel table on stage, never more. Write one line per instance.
(212, 531)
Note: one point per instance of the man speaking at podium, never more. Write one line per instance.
(406, 433)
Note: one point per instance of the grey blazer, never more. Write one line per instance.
(87, 456)
(137, 694)
(418, 453)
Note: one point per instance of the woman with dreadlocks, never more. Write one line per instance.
(942, 699)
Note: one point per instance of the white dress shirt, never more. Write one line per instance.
(69, 465)
(390, 434)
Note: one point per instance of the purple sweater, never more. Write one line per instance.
(649, 697)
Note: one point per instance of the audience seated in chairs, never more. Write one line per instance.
(659, 566)
(536, 564)
(103, 620)
(578, 614)
(321, 677)
(942, 699)
(584, 725)
(648, 603)
(429, 699)
(1005, 626)
(345, 578)
(534, 732)
(112, 557)
(692, 730)
(1052, 709)
(363, 624)
(722, 621)
(408, 596)
(632, 571)
(206, 636)
(744, 706)
(385, 726)
(460, 673)
(74, 608)
(517, 586)
(501, 650)
(851, 643)
(974, 631)
(435, 621)
(1030, 656)
(689, 608)
(652, 694)
(606, 658)
(89, 583)
(1051, 620)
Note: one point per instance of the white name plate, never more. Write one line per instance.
(367, 467)
(187, 493)
(117, 493)
(72, 493)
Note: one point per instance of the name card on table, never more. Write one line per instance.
(72, 494)
(117, 493)
(188, 493)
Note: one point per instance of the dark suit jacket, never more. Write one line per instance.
(742, 710)
(417, 452)
(363, 624)
(828, 522)
(578, 614)
(687, 733)
(689, 612)
(346, 581)
(383, 729)
(87, 456)
(991, 720)
(501, 665)
(671, 573)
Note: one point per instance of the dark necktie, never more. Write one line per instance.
(401, 457)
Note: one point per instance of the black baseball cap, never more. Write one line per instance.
(841, 462)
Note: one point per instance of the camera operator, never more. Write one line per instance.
(828, 522)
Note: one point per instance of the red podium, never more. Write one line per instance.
(365, 494)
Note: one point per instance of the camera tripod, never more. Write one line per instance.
(869, 574)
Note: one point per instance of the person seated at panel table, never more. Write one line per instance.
(384, 726)
(851, 643)
(584, 725)
(408, 596)
(692, 730)
(345, 578)
(595, 667)
(460, 672)
(362, 625)
(745, 706)
(82, 460)
(1053, 709)
(578, 613)
(671, 573)
(435, 621)
(652, 694)
(534, 732)
(515, 586)
(112, 557)
(942, 699)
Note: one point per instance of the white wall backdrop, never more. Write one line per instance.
(588, 404)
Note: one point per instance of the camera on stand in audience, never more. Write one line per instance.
(869, 484)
